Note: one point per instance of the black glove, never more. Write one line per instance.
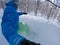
(25, 13)
(27, 42)
(47, 0)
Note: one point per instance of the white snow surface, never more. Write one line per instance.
(42, 30)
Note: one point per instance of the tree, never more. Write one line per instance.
(37, 6)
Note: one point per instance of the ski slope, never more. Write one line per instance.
(41, 30)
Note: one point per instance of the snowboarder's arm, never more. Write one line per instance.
(21, 13)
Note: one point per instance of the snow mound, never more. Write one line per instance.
(42, 30)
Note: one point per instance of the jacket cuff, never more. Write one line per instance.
(18, 40)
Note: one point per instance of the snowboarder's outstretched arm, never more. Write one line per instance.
(21, 13)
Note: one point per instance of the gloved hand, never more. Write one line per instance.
(47, 0)
(27, 42)
(25, 13)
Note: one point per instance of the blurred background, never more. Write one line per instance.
(41, 8)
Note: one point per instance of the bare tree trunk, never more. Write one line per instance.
(1, 2)
(27, 6)
(49, 14)
(37, 6)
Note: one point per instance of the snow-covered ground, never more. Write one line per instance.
(42, 30)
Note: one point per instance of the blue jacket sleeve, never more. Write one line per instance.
(10, 26)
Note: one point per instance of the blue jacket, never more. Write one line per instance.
(9, 24)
